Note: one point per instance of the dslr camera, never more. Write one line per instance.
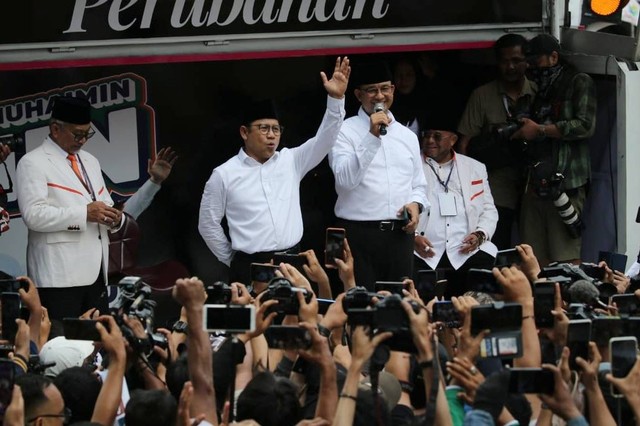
(357, 298)
(134, 299)
(218, 293)
(280, 289)
(388, 315)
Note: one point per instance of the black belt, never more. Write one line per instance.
(382, 225)
(266, 254)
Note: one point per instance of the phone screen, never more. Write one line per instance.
(531, 380)
(506, 258)
(323, 305)
(623, 356)
(543, 303)
(287, 337)
(426, 284)
(295, 260)
(393, 287)
(627, 304)
(615, 261)
(229, 319)
(13, 285)
(446, 313)
(263, 272)
(578, 337)
(495, 318)
(80, 329)
(7, 378)
(604, 329)
(334, 246)
(482, 280)
(10, 312)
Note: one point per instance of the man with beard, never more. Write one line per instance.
(563, 118)
(491, 107)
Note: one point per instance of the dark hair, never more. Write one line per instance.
(32, 387)
(152, 408)
(507, 41)
(368, 412)
(270, 401)
(79, 387)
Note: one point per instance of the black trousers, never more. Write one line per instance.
(502, 236)
(379, 255)
(71, 302)
(457, 278)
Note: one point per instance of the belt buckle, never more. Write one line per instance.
(386, 225)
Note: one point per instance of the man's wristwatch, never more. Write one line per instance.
(420, 207)
(180, 327)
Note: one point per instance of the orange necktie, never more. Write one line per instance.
(74, 166)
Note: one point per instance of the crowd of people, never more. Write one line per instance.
(414, 194)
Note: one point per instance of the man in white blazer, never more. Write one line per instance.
(455, 233)
(68, 210)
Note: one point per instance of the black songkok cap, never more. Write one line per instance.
(71, 110)
(259, 110)
(370, 73)
(543, 44)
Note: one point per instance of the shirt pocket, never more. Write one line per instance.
(63, 237)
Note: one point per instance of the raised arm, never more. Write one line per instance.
(190, 293)
(309, 154)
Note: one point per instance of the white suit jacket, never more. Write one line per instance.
(479, 208)
(64, 250)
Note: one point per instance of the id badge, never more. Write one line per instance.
(447, 203)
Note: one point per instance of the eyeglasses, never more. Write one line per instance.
(437, 136)
(66, 416)
(373, 90)
(78, 136)
(264, 128)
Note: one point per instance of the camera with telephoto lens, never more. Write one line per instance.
(134, 300)
(504, 132)
(218, 293)
(14, 142)
(357, 298)
(280, 289)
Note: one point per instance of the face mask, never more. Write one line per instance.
(543, 77)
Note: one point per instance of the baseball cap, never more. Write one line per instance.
(388, 387)
(65, 353)
(542, 44)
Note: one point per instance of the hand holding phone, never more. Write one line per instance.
(334, 247)
(624, 353)
(81, 329)
(229, 318)
(263, 272)
(507, 258)
(11, 304)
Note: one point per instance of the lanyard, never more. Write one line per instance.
(445, 185)
(87, 185)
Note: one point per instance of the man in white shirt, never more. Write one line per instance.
(456, 233)
(258, 189)
(378, 173)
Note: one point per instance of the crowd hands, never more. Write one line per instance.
(324, 372)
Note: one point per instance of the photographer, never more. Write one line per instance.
(493, 106)
(563, 118)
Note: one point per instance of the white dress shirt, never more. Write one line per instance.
(262, 201)
(376, 176)
(447, 232)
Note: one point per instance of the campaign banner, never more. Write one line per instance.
(92, 21)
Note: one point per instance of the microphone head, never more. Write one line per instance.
(379, 107)
(582, 291)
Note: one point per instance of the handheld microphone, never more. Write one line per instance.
(582, 291)
(379, 107)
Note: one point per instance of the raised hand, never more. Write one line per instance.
(337, 86)
(160, 168)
